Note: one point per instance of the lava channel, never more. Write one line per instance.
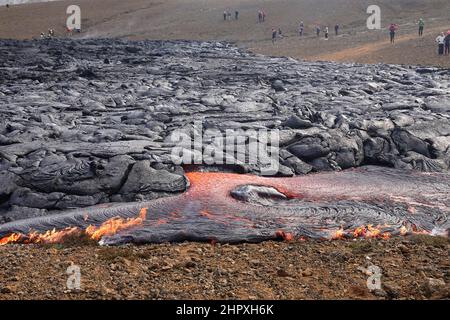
(369, 202)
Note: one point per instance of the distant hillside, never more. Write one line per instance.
(203, 20)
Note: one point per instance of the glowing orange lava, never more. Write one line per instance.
(108, 228)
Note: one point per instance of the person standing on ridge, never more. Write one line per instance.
(421, 27)
(392, 29)
(236, 15)
(274, 35)
(318, 31)
(447, 44)
(441, 43)
(336, 29)
(301, 29)
(225, 15)
(326, 33)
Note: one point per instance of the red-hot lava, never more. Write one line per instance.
(368, 202)
(108, 228)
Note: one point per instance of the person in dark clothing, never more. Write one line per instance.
(447, 43)
(392, 29)
(225, 14)
(318, 31)
(236, 15)
(301, 28)
(336, 29)
(274, 35)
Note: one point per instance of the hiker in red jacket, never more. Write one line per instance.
(392, 29)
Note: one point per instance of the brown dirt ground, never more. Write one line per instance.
(272, 270)
(416, 267)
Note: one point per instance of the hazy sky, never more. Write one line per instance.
(4, 2)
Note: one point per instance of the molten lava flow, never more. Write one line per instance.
(108, 228)
(366, 232)
(13, 238)
(338, 234)
(403, 230)
(286, 236)
(52, 236)
(115, 225)
(368, 203)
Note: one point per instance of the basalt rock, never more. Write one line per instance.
(84, 122)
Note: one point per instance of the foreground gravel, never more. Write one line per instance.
(412, 268)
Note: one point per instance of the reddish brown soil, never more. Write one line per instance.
(412, 268)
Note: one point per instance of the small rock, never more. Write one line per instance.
(379, 293)
(167, 267)
(255, 262)
(295, 122)
(190, 264)
(307, 273)
(403, 249)
(5, 290)
(391, 291)
(282, 273)
(435, 288)
(278, 85)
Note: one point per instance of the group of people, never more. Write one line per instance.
(326, 30)
(227, 15)
(443, 40)
(261, 16)
(394, 27)
(276, 33)
(50, 34)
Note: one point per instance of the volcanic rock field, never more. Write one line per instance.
(90, 122)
